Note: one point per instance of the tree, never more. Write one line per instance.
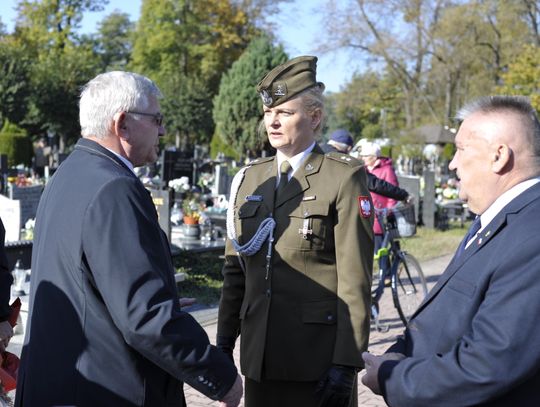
(237, 106)
(15, 86)
(60, 65)
(436, 63)
(370, 105)
(185, 46)
(523, 76)
(188, 110)
(114, 41)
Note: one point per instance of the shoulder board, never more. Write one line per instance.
(343, 158)
(260, 160)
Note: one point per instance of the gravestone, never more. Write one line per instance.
(428, 204)
(162, 200)
(222, 185)
(29, 200)
(176, 164)
(10, 213)
(411, 184)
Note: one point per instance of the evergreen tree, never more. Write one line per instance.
(237, 106)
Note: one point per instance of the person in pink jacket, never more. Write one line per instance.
(382, 168)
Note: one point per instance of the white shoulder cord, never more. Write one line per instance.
(264, 232)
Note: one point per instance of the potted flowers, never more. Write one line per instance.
(191, 210)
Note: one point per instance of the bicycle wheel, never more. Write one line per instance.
(409, 286)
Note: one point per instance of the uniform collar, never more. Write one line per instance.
(295, 161)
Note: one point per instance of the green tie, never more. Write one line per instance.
(284, 169)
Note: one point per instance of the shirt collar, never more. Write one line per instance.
(295, 161)
(124, 160)
(505, 199)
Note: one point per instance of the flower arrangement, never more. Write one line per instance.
(180, 184)
(191, 209)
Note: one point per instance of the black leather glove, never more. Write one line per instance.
(226, 345)
(335, 388)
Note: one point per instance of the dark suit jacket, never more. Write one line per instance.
(105, 326)
(475, 340)
(311, 309)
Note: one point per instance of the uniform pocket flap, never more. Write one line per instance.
(310, 209)
(319, 312)
(248, 210)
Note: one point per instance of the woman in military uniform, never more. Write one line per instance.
(299, 253)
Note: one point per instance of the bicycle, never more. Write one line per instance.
(408, 283)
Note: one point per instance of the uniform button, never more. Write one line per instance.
(330, 317)
(306, 213)
(268, 292)
(200, 379)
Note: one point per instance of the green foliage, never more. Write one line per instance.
(187, 107)
(57, 81)
(203, 276)
(217, 145)
(523, 75)
(15, 86)
(370, 105)
(185, 46)
(372, 131)
(16, 145)
(58, 64)
(114, 41)
(237, 107)
(448, 151)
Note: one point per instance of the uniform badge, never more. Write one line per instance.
(281, 89)
(254, 198)
(364, 206)
(266, 98)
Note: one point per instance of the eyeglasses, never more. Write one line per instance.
(158, 117)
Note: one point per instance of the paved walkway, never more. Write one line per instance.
(378, 342)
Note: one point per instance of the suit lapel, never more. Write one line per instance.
(299, 181)
(493, 228)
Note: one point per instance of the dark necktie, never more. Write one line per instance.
(473, 230)
(284, 169)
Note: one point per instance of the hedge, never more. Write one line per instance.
(17, 147)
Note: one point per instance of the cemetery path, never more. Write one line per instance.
(207, 317)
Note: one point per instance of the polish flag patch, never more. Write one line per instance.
(364, 206)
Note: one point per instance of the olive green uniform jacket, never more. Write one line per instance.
(311, 309)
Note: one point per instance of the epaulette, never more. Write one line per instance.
(260, 160)
(343, 158)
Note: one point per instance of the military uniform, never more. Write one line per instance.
(310, 309)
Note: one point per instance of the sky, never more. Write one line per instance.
(298, 32)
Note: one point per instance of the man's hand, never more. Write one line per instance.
(233, 397)
(6, 332)
(336, 387)
(371, 378)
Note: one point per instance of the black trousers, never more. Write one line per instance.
(277, 393)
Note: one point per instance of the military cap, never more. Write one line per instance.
(288, 80)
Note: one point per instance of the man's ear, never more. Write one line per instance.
(120, 126)
(501, 158)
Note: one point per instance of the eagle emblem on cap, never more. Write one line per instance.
(266, 98)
